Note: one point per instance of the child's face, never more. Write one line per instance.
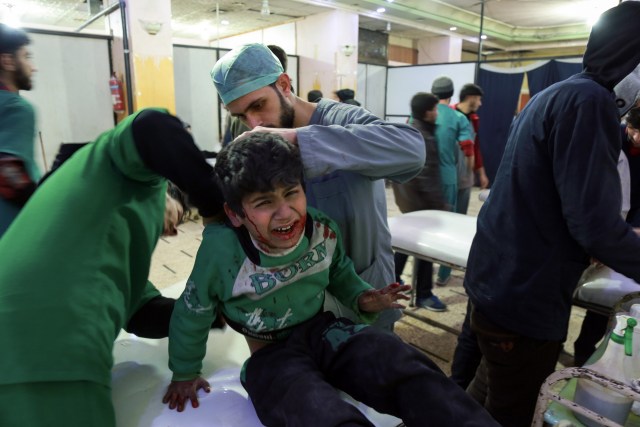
(634, 135)
(275, 219)
(173, 214)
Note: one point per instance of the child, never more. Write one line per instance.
(266, 271)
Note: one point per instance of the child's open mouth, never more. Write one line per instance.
(286, 232)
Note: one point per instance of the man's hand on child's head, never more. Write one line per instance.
(179, 391)
(289, 135)
(373, 301)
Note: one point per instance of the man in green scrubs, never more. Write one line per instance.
(75, 264)
(18, 170)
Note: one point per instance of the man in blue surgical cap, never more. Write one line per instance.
(347, 154)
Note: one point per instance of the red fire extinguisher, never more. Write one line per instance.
(117, 96)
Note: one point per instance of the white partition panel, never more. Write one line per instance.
(404, 82)
(196, 97)
(292, 71)
(371, 82)
(71, 90)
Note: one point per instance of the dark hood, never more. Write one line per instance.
(613, 50)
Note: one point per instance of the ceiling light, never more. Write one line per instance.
(389, 1)
(381, 10)
(206, 30)
(224, 22)
(347, 50)
(11, 16)
(453, 28)
(265, 8)
(483, 37)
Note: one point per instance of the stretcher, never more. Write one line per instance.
(140, 376)
(441, 237)
(437, 236)
(445, 238)
(605, 291)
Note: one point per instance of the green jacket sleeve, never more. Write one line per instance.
(193, 314)
(148, 293)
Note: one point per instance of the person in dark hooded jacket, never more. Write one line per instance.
(554, 204)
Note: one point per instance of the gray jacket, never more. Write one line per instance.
(347, 153)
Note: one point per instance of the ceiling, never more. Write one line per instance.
(509, 25)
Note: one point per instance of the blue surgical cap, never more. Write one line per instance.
(245, 69)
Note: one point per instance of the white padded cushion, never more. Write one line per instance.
(436, 235)
(603, 286)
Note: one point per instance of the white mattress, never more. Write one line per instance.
(602, 286)
(446, 237)
(438, 236)
(140, 377)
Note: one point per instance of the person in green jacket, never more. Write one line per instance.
(75, 264)
(19, 172)
(266, 271)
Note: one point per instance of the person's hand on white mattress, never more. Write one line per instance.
(179, 391)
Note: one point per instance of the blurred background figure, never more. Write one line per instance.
(19, 172)
(347, 96)
(314, 95)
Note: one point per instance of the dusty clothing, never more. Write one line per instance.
(261, 296)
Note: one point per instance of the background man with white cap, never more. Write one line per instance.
(347, 153)
(455, 139)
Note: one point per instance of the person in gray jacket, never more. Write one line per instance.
(347, 154)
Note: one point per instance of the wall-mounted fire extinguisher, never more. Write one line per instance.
(117, 95)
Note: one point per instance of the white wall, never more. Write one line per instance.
(322, 65)
(372, 80)
(71, 91)
(433, 50)
(281, 35)
(196, 97)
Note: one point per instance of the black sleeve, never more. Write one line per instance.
(65, 152)
(169, 150)
(152, 319)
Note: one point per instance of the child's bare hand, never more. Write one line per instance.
(373, 301)
(179, 391)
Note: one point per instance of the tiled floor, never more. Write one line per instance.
(433, 333)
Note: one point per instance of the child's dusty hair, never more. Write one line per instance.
(182, 198)
(256, 164)
(633, 118)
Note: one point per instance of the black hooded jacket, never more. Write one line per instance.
(556, 198)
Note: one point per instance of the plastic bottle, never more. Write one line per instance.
(615, 363)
